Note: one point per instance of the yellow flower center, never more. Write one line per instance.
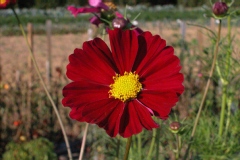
(125, 87)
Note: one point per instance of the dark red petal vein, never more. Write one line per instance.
(80, 93)
(106, 114)
(145, 116)
(124, 46)
(90, 64)
(160, 103)
(134, 118)
(170, 84)
(149, 47)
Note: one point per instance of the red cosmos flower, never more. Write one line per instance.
(6, 3)
(122, 88)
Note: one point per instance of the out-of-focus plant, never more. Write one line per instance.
(213, 132)
(37, 149)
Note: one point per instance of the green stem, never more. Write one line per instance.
(208, 81)
(219, 72)
(118, 147)
(152, 144)
(178, 139)
(223, 109)
(44, 85)
(129, 140)
(103, 33)
(206, 88)
(139, 146)
(228, 114)
(225, 81)
(157, 143)
(229, 52)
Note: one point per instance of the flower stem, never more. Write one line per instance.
(129, 140)
(209, 80)
(223, 108)
(83, 141)
(118, 148)
(152, 144)
(44, 85)
(157, 143)
(229, 102)
(229, 52)
(139, 146)
(225, 81)
(178, 144)
(206, 88)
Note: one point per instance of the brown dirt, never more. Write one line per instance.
(14, 52)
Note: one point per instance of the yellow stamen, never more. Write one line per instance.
(125, 87)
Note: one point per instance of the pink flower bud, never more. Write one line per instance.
(119, 22)
(174, 127)
(219, 8)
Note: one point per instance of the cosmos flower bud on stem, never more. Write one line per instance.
(119, 22)
(174, 127)
(220, 8)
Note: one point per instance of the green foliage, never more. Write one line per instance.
(192, 3)
(38, 149)
(65, 23)
(207, 144)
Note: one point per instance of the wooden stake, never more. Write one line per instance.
(200, 40)
(49, 70)
(49, 52)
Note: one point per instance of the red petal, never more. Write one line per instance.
(130, 123)
(165, 64)
(78, 94)
(149, 47)
(160, 103)
(124, 46)
(76, 113)
(169, 84)
(134, 118)
(106, 114)
(145, 116)
(92, 63)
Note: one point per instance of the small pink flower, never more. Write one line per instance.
(103, 13)
(95, 20)
(97, 3)
(200, 75)
(75, 11)
(96, 7)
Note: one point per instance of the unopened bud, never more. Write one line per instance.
(174, 127)
(119, 22)
(219, 8)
